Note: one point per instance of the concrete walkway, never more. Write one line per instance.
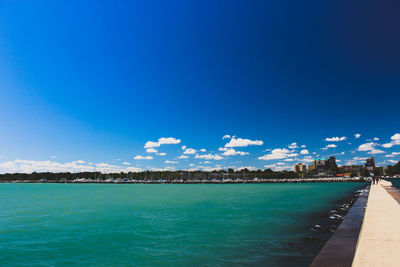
(379, 241)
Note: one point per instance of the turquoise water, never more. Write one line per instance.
(395, 182)
(160, 225)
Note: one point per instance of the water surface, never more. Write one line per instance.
(395, 182)
(161, 225)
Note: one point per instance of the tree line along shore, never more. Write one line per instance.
(170, 177)
(187, 176)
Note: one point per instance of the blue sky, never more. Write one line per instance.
(86, 84)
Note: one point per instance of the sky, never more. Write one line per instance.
(197, 85)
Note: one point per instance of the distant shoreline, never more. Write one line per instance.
(259, 181)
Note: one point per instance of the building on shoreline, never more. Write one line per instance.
(370, 164)
(351, 169)
(323, 165)
(299, 167)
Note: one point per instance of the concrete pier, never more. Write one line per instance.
(379, 240)
(340, 249)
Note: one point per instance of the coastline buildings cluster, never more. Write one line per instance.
(329, 168)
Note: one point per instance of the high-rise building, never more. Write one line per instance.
(300, 167)
(318, 164)
(303, 168)
(321, 164)
(296, 168)
(370, 164)
(331, 163)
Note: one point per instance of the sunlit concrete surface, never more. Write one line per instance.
(379, 241)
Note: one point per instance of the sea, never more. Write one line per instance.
(395, 182)
(165, 224)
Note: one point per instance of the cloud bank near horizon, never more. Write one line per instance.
(224, 157)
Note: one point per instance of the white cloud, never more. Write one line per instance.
(231, 152)
(376, 151)
(329, 146)
(205, 168)
(270, 166)
(189, 151)
(139, 157)
(387, 145)
(367, 146)
(162, 141)
(278, 153)
(53, 156)
(395, 141)
(203, 150)
(304, 152)
(357, 135)
(307, 159)
(183, 147)
(376, 139)
(29, 166)
(171, 162)
(275, 167)
(209, 156)
(393, 161)
(356, 161)
(226, 136)
(183, 157)
(151, 144)
(360, 158)
(168, 141)
(126, 163)
(293, 145)
(151, 150)
(241, 142)
(303, 146)
(335, 139)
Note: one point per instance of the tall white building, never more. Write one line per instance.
(300, 167)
